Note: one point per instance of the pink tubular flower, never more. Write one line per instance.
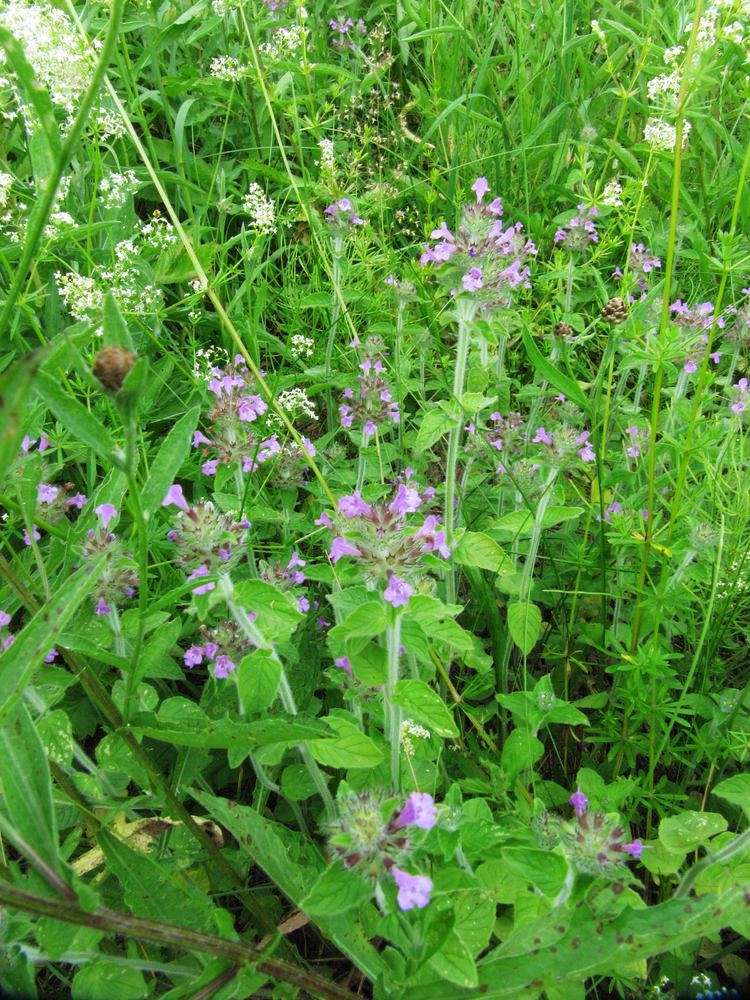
(340, 547)
(223, 667)
(419, 811)
(77, 500)
(480, 187)
(105, 512)
(413, 890)
(406, 501)
(353, 506)
(542, 437)
(101, 607)
(398, 591)
(204, 587)
(472, 281)
(325, 521)
(175, 496)
(46, 493)
(200, 438)
(209, 468)
(635, 848)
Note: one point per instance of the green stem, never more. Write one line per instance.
(536, 535)
(465, 311)
(168, 936)
(44, 205)
(337, 248)
(393, 713)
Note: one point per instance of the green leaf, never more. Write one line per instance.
(520, 523)
(27, 789)
(172, 453)
(115, 331)
(105, 980)
(370, 665)
(423, 705)
(454, 962)
(546, 870)
(736, 790)
(336, 890)
(477, 549)
(563, 383)
(296, 783)
(521, 750)
(34, 642)
(258, 678)
(351, 748)
(39, 99)
(525, 625)
(475, 919)
(364, 622)
(277, 614)
(689, 830)
(56, 733)
(434, 424)
(16, 384)
(76, 419)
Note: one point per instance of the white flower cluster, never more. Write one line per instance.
(411, 731)
(662, 135)
(53, 48)
(84, 295)
(260, 209)
(301, 346)
(228, 68)
(285, 43)
(116, 188)
(737, 585)
(327, 162)
(222, 7)
(665, 87)
(107, 124)
(296, 401)
(612, 194)
(206, 359)
(6, 181)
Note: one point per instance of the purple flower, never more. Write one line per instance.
(223, 667)
(193, 656)
(472, 281)
(353, 506)
(43, 443)
(413, 890)
(7, 643)
(419, 811)
(542, 437)
(105, 512)
(398, 591)
(200, 438)
(579, 802)
(101, 608)
(209, 468)
(480, 187)
(35, 533)
(406, 501)
(344, 664)
(325, 521)
(340, 547)
(586, 454)
(46, 493)
(77, 500)
(434, 540)
(27, 443)
(51, 656)
(635, 848)
(4, 619)
(175, 496)
(204, 587)
(303, 605)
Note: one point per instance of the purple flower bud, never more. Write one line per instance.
(303, 605)
(325, 521)
(105, 512)
(101, 608)
(419, 811)
(542, 437)
(43, 443)
(78, 500)
(175, 496)
(344, 664)
(353, 506)
(35, 533)
(480, 187)
(413, 890)
(472, 281)
(51, 656)
(579, 802)
(200, 438)
(635, 848)
(4, 619)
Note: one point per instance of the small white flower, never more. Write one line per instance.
(662, 135)
(301, 346)
(260, 209)
(228, 68)
(612, 194)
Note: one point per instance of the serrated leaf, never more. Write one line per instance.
(172, 453)
(473, 402)
(477, 549)
(524, 624)
(257, 677)
(689, 830)
(736, 790)
(364, 622)
(521, 751)
(434, 424)
(277, 614)
(423, 705)
(546, 870)
(336, 890)
(350, 748)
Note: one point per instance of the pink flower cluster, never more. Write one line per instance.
(119, 580)
(377, 535)
(373, 404)
(564, 443)
(224, 646)
(483, 258)
(580, 232)
(595, 834)
(286, 577)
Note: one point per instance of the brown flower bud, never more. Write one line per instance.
(563, 330)
(111, 365)
(615, 311)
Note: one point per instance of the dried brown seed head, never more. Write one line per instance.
(111, 365)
